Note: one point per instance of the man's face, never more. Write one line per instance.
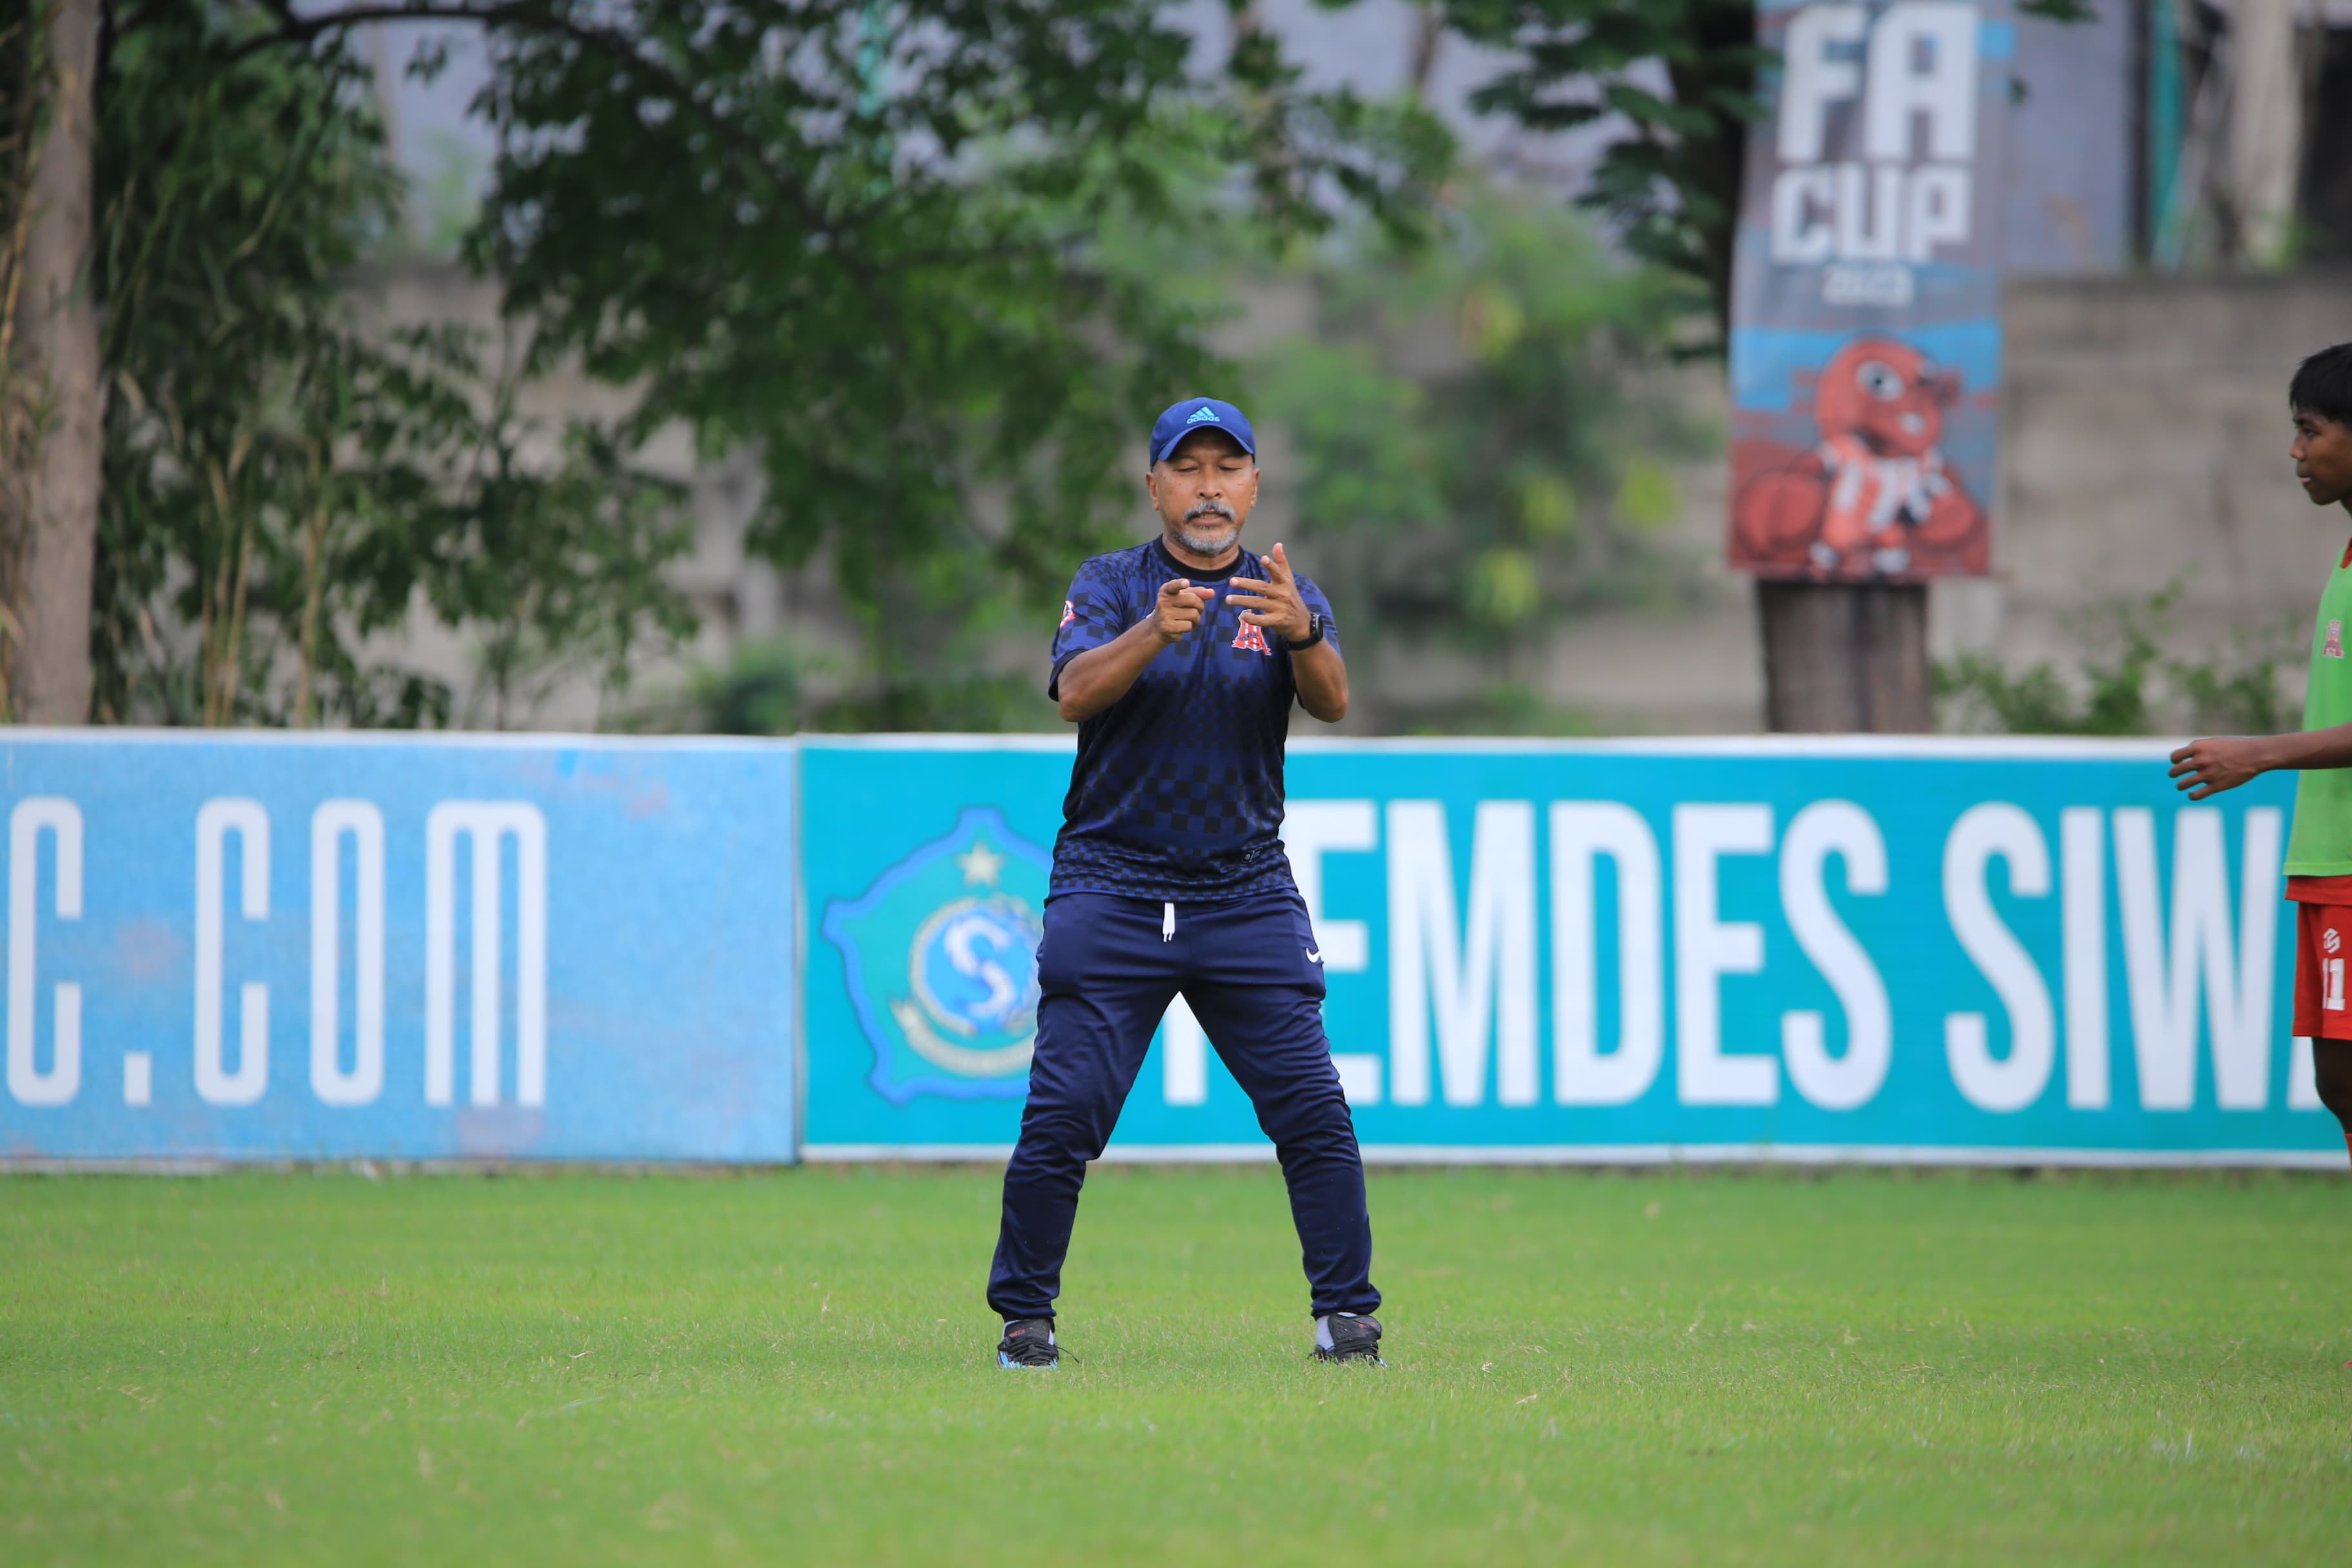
(2323, 458)
(1203, 491)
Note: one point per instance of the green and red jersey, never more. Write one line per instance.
(2320, 851)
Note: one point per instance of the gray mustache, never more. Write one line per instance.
(1209, 509)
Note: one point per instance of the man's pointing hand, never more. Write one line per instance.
(1178, 608)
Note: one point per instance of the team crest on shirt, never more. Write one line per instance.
(2334, 647)
(941, 955)
(1251, 637)
(1069, 613)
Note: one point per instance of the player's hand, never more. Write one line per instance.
(2210, 766)
(1277, 605)
(1178, 608)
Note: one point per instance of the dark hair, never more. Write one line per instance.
(2322, 384)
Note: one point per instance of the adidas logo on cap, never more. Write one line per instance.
(1204, 415)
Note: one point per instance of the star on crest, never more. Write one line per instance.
(981, 865)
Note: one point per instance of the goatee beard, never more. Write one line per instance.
(1216, 543)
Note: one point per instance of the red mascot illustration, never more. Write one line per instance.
(1874, 497)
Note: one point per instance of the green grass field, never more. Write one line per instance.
(1719, 1369)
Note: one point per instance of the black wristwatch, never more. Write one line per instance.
(1321, 624)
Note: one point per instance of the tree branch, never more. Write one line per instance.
(524, 14)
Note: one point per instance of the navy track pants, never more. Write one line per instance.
(1107, 969)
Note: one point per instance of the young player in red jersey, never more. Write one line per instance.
(2319, 852)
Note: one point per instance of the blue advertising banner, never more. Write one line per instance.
(1865, 306)
(292, 948)
(1995, 951)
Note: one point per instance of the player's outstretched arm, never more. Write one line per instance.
(1102, 675)
(2224, 761)
(1277, 606)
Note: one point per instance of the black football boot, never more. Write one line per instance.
(1349, 1336)
(1028, 1343)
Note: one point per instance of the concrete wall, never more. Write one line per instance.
(2145, 436)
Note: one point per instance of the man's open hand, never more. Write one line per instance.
(2210, 766)
(1276, 605)
(1179, 609)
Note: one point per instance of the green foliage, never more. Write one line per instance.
(280, 488)
(446, 204)
(859, 241)
(760, 691)
(2127, 685)
(863, 244)
(1670, 186)
(1646, 496)
(2040, 702)
(2244, 692)
(1367, 459)
(2067, 11)
(777, 687)
(1499, 707)
(1477, 447)
(1980, 690)
(983, 701)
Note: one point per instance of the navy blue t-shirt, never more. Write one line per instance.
(1177, 792)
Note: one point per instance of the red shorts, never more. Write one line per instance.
(2322, 943)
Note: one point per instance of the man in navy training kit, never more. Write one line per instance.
(1178, 660)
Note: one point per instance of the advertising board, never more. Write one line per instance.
(1945, 951)
(255, 947)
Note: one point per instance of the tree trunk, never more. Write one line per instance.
(1845, 656)
(57, 359)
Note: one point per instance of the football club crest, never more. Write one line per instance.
(941, 959)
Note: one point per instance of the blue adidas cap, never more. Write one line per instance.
(1199, 413)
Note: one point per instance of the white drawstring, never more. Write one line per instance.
(1167, 922)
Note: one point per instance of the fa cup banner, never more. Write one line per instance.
(1865, 327)
(245, 947)
(1994, 952)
